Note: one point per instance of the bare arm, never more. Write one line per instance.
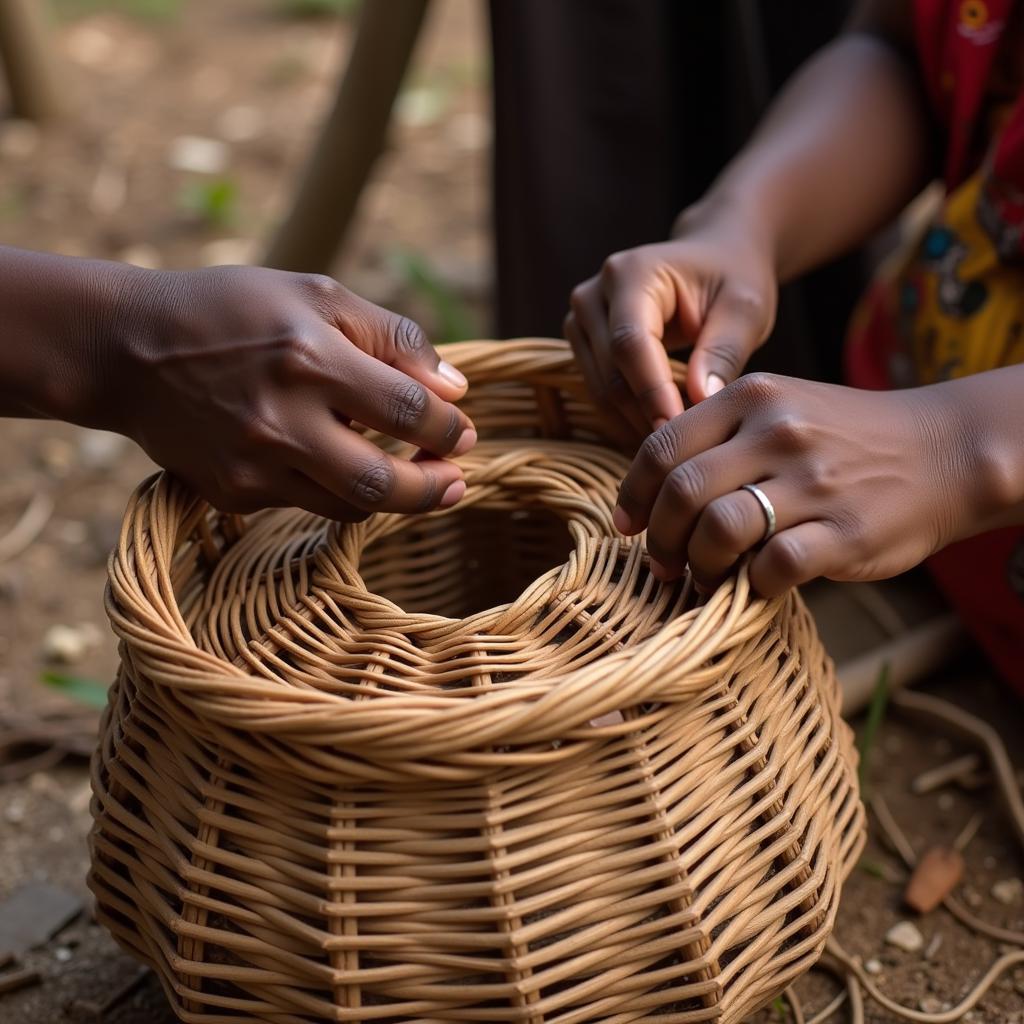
(242, 380)
(842, 150)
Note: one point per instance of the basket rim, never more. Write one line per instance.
(140, 600)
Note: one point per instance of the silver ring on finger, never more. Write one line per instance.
(766, 507)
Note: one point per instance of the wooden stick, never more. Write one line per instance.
(27, 59)
(910, 657)
(352, 137)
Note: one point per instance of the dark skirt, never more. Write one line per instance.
(611, 116)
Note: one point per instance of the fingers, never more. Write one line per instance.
(687, 493)
(736, 324)
(301, 492)
(636, 329)
(696, 431)
(735, 523)
(795, 556)
(393, 339)
(384, 398)
(587, 331)
(358, 473)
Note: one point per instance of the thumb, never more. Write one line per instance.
(401, 343)
(733, 329)
(408, 349)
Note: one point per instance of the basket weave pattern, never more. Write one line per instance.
(476, 765)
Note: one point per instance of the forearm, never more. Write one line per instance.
(63, 321)
(841, 152)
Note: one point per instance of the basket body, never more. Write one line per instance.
(470, 766)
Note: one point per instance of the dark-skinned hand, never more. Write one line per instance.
(713, 287)
(244, 381)
(864, 484)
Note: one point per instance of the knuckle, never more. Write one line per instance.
(789, 557)
(684, 487)
(625, 340)
(757, 389)
(821, 477)
(658, 451)
(407, 404)
(617, 266)
(409, 338)
(372, 487)
(789, 432)
(578, 296)
(322, 285)
(723, 521)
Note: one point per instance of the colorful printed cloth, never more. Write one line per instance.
(953, 304)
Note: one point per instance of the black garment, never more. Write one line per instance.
(611, 116)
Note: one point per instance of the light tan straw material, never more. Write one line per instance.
(352, 773)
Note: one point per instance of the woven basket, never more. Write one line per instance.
(476, 765)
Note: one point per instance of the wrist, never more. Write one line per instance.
(730, 211)
(109, 327)
(982, 453)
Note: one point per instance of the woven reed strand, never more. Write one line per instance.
(476, 765)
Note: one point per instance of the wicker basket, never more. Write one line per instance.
(475, 765)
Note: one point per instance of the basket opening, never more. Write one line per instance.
(466, 561)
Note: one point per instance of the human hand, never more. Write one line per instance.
(244, 381)
(864, 484)
(713, 286)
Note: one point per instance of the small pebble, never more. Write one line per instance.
(198, 155)
(63, 644)
(971, 897)
(905, 936)
(931, 1004)
(66, 645)
(62, 954)
(873, 966)
(1008, 891)
(933, 946)
(14, 812)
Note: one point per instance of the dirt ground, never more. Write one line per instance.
(250, 75)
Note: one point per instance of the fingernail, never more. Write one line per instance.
(714, 384)
(466, 441)
(452, 375)
(620, 517)
(453, 494)
(659, 571)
